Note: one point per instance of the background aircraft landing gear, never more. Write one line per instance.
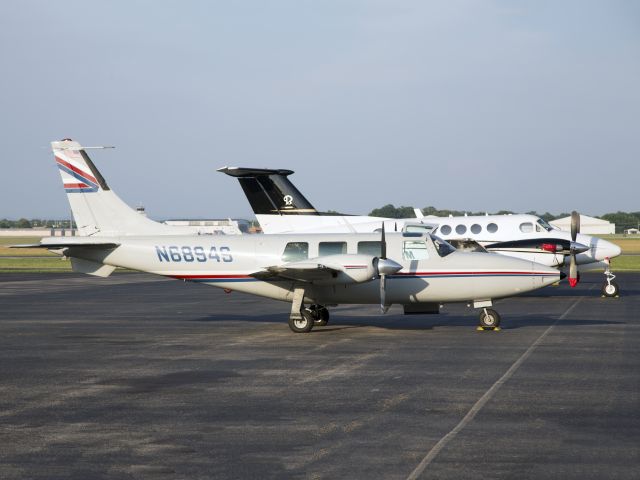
(610, 288)
(320, 315)
(489, 320)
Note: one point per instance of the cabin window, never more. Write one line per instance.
(332, 248)
(526, 227)
(544, 225)
(442, 247)
(492, 228)
(414, 250)
(418, 228)
(475, 228)
(370, 248)
(295, 251)
(445, 229)
(461, 229)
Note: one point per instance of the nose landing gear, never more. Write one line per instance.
(489, 320)
(610, 288)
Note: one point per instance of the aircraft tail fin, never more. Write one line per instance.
(270, 192)
(96, 209)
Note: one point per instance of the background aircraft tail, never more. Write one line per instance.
(96, 209)
(270, 192)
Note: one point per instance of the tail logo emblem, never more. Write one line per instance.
(82, 182)
(288, 200)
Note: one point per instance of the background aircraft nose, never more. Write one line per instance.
(605, 249)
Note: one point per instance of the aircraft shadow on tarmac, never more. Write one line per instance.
(417, 322)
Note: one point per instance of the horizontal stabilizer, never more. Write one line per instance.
(54, 243)
(253, 172)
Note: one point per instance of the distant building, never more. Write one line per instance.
(213, 227)
(588, 225)
(632, 231)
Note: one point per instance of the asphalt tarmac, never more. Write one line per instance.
(134, 376)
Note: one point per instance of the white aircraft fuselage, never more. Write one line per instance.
(241, 263)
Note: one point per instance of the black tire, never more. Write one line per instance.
(610, 289)
(490, 319)
(322, 317)
(320, 314)
(302, 325)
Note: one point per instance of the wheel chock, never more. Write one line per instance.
(490, 329)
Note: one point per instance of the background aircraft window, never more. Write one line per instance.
(370, 248)
(461, 229)
(295, 251)
(492, 228)
(414, 250)
(332, 248)
(475, 228)
(445, 229)
(526, 227)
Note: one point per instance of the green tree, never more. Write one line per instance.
(23, 223)
(390, 211)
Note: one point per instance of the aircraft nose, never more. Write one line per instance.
(545, 275)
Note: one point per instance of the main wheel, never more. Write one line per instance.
(489, 318)
(610, 289)
(320, 315)
(303, 324)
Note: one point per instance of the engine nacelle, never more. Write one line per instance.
(350, 268)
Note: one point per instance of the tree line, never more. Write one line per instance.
(33, 223)
(622, 220)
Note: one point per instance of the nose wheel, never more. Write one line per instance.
(610, 288)
(489, 320)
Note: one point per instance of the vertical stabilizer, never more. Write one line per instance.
(96, 209)
(270, 192)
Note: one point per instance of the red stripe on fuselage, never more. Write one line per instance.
(188, 277)
(471, 273)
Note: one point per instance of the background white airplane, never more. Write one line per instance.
(281, 208)
(313, 269)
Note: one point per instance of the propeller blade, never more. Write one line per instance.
(383, 244)
(383, 294)
(573, 271)
(575, 225)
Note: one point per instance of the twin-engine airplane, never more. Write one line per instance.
(312, 271)
(281, 208)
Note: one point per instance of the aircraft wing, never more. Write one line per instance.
(308, 272)
(325, 270)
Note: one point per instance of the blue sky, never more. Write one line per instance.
(472, 105)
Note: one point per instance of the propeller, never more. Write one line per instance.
(574, 248)
(384, 267)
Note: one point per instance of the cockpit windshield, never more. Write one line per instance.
(544, 225)
(442, 246)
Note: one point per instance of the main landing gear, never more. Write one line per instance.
(302, 319)
(489, 320)
(610, 288)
